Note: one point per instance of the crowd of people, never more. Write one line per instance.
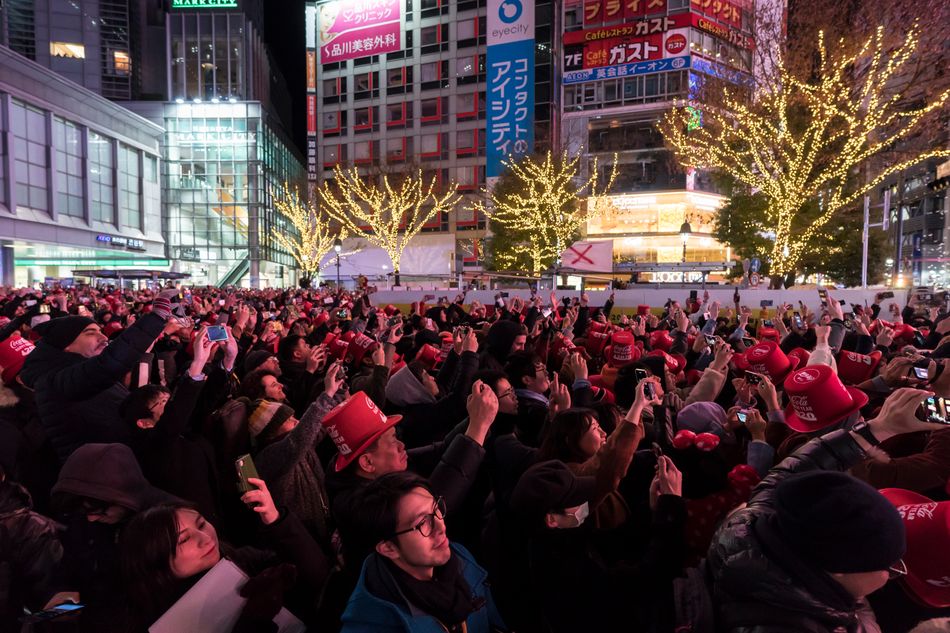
(535, 465)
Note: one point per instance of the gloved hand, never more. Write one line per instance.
(265, 591)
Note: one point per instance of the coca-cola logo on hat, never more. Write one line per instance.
(806, 376)
(759, 352)
(917, 511)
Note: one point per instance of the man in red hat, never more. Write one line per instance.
(368, 448)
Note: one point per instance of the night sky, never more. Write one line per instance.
(284, 33)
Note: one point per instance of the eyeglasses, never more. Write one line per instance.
(161, 401)
(427, 523)
(897, 570)
(507, 392)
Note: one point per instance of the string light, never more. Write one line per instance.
(852, 113)
(542, 207)
(387, 215)
(315, 235)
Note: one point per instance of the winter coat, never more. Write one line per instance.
(293, 472)
(754, 592)
(426, 419)
(78, 398)
(177, 460)
(30, 552)
(366, 612)
(919, 462)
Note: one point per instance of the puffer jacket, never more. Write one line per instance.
(78, 398)
(753, 590)
(30, 552)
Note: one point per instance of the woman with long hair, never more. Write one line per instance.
(168, 548)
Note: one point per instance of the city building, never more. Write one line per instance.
(79, 178)
(199, 69)
(624, 64)
(405, 85)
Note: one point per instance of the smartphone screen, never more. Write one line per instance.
(921, 373)
(217, 333)
(935, 409)
(649, 391)
(753, 378)
(639, 374)
(798, 320)
(546, 312)
(747, 341)
(743, 416)
(767, 322)
(710, 340)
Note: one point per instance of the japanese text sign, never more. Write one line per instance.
(347, 29)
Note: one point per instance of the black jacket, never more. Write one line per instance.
(757, 590)
(177, 460)
(30, 553)
(78, 398)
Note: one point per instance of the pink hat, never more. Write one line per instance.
(428, 355)
(13, 353)
(661, 339)
(353, 425)
(643, 310)
(769, 334)
(854, 368)
(927, 526)
(360, 346)
(819, 399)
(672, 364)
(448, 343)
(622, 350)
(768, 358)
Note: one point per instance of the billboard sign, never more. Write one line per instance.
(510, 74)
(626, 70)
(731, 35)
(347, 29)
(601, 11)
(311, 71)
(646, 40)
(722, 10)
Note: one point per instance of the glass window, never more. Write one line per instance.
(67, 49)
(130, 188)
(465, 67)
(466, 29)
(29, 151)
(362, 151)
(151, 168)
(431, 71)
(465, 103)
(395, 112)
(68, 167)
(430, 34)
(395, 148)
(430, 143)
(465, 139)
(101, 179)
(362, 117)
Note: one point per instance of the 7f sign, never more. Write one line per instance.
(510, 74)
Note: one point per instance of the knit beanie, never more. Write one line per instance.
(59, 333)
(701, 417)
(255, 359)
(837, 523)
(266, 417)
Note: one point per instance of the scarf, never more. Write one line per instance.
(447, 597)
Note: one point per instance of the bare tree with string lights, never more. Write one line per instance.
(388, 210)
(315, 234)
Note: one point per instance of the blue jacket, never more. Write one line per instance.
(366, 612)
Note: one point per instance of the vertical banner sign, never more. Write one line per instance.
(510, 92)
(310, 24)
(311, 71)
(348, 29)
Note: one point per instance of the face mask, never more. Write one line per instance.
(581, 515)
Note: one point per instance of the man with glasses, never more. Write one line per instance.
(416, 580)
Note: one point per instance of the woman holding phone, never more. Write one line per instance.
(168, 548)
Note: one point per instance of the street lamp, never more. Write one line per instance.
(337, 247)
(685, 230)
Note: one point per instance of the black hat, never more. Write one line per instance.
(550, 487)
(255, 359)
(59, 333)
(838, 523)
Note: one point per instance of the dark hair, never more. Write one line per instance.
(417, 368)
(285, 349)
(375, 515)
(147, 545)
(562, 438)
(252, 387)
(136, 405)
(609, 415)
(625, 386)
(521, 365)
(490, 377)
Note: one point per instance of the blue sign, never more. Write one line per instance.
(626, 70)
(723, 72)
(755, 265)
(510, 89)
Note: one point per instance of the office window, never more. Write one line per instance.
(101, 179)
(430, 144)
(466, 141)
(363, 152)
(67, 49)
(130, 188)
(466, 66)
(467, 29)
(151, 168)
(29, 151)
(120, 63)
(68, 167)
(431, 35)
